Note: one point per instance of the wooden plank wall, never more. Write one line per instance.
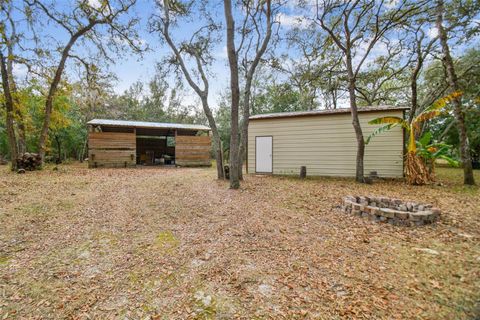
(192, 151)
(111, 149)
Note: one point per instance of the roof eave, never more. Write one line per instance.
(100, 122)
(317, 114)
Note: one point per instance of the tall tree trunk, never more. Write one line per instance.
(81, 155)
(244, 129)
(414, 78)
(413, 87)
(414, 99)
(458, 110)
(216, 138)
(244, 126)
(9, 113)
(235, 93)
(359, 177)
(59, 149)
(22, 139)
(42, 141)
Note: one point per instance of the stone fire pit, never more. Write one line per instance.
(393, 211)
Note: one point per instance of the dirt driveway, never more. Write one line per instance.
(176, 243)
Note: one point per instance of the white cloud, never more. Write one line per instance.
(378, 50)
(96, 4)
(220, 53)
(432, 32)
(390, 4)
(19, 70)
(291, 21)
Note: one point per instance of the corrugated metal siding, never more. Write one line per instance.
(327, 145)
(144, 124)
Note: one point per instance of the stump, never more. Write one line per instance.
(303, 172)
(226, 169)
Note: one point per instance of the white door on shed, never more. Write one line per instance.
(263, 154)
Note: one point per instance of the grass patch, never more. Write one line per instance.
(4, 260)
(166, 241)
(205, 306)
(66, 204)
(454, 175)
(35, 209)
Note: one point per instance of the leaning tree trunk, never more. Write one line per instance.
(42, 141)
(458, 110)
(9, 113)
(414, 89)
(203, 94)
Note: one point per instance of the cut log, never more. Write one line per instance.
(29, 161)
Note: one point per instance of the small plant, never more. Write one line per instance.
(205, 306)
(432, 151)
(166, 241)
(416, 170)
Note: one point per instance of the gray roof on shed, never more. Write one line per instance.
(323, 112)
(144, 124)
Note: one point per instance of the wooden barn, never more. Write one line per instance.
(116, 143)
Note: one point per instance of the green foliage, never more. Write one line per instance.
(432, 151)
(222, 118)
(433, 111)
(380, 130)
(73, 107)
(3, 139)
(443, 127)
(277, 98)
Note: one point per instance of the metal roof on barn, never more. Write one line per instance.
(324, 112)
(144, 124)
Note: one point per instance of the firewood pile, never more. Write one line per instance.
(29, 161)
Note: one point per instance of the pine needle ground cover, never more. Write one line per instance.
(178, 244)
